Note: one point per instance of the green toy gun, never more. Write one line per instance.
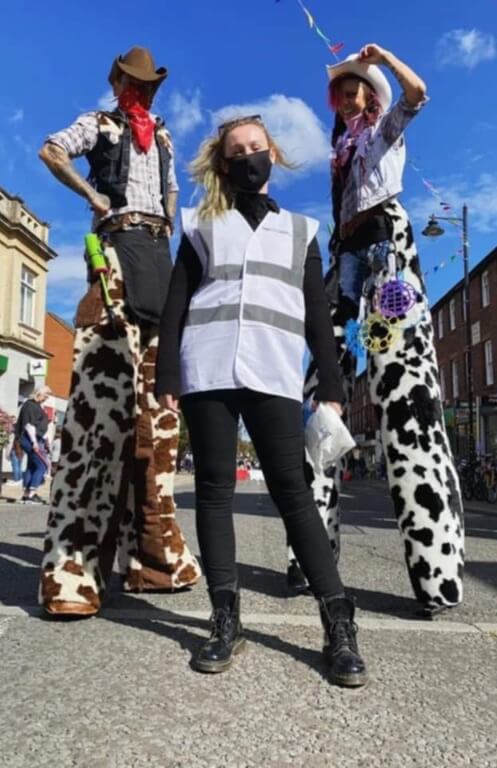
(99, 267)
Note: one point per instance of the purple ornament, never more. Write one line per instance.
(396, 298)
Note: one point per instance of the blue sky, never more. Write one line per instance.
(261, 56)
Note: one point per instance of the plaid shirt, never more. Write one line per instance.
(143, 190)
(388, 133)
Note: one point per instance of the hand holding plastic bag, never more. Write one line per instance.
(327, 438)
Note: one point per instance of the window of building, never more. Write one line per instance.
(485, 289)
(442, 384)
(440, 324)
(452, 314)
(489, 363)
(28, 293)
(455, 379)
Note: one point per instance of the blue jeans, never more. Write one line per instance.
(356, 266)
(36, 468)
(16, 463)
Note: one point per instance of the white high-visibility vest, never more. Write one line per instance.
(246, 322)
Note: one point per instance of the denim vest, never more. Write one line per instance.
(109, 159)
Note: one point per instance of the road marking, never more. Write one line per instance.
(270, 619)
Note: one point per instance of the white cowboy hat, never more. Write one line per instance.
(369, 72)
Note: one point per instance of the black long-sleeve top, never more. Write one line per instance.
(186, 278)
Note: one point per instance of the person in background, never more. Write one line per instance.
(15, 455)
(55, 449)
(31, 432)
(247, 293)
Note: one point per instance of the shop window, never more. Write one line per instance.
(455, 378)
(452, 315)
(489, 363)
(440, 324)
(485, 289)
(442, 384)
(28, 294)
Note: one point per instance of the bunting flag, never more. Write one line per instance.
(436, 193)
(334, 48)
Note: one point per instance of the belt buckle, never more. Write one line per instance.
(134, 218)
(155, 229)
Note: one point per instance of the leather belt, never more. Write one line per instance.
(348, 229)
(157, 225)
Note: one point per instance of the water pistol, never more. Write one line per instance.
(100, 268)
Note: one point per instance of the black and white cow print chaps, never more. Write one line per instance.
(112, 493)
(404, 388)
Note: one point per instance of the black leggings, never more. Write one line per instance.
(276, 429)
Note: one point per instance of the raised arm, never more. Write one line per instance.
(414, 88)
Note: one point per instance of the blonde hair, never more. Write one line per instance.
(39, 392)
(206, 168)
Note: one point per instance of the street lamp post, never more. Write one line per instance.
(433, 229)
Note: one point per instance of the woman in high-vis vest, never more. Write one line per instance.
(246, 296)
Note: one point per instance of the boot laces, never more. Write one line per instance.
(343, 635)
(222, 622)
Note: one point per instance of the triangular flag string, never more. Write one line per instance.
(334, 48)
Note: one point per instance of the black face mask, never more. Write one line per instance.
(249, 172)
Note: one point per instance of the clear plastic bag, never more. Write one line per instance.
(327, 438)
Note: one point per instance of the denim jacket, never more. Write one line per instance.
(378, 163)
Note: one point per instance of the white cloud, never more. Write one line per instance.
(16, 117)
(465, 48)
(107, 101)
(66, 280)
(293, 124)
(478, 194)
(69, 264)
(184, 113)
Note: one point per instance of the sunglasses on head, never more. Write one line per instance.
(238, 121)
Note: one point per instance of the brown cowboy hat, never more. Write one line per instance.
(139, 64)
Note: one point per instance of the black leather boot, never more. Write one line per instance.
(227, 639)
(340, 649)
(296, 581)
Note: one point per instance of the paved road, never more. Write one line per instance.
(117, 691)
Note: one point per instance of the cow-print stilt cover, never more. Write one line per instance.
(113, 489)
(405, 390)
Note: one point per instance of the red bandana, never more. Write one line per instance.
(133, 102)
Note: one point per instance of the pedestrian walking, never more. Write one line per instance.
(113, 488)
(247, 293)
(375, 279)
(31, 434)
(15, 455)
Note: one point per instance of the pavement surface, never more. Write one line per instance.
(117, 691)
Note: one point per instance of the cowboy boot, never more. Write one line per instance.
(227, 638)
(340, 649)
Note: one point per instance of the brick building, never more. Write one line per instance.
(59, 342)
(450, 341)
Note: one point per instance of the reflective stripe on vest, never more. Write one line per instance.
(249, 312)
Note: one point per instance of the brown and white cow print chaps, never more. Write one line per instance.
(404, 387)
(113, 489)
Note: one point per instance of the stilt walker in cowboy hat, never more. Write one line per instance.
(113, 489)
(375, 277)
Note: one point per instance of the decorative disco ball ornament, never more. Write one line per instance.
(378, 333)
(353, 340)
(396, 298)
